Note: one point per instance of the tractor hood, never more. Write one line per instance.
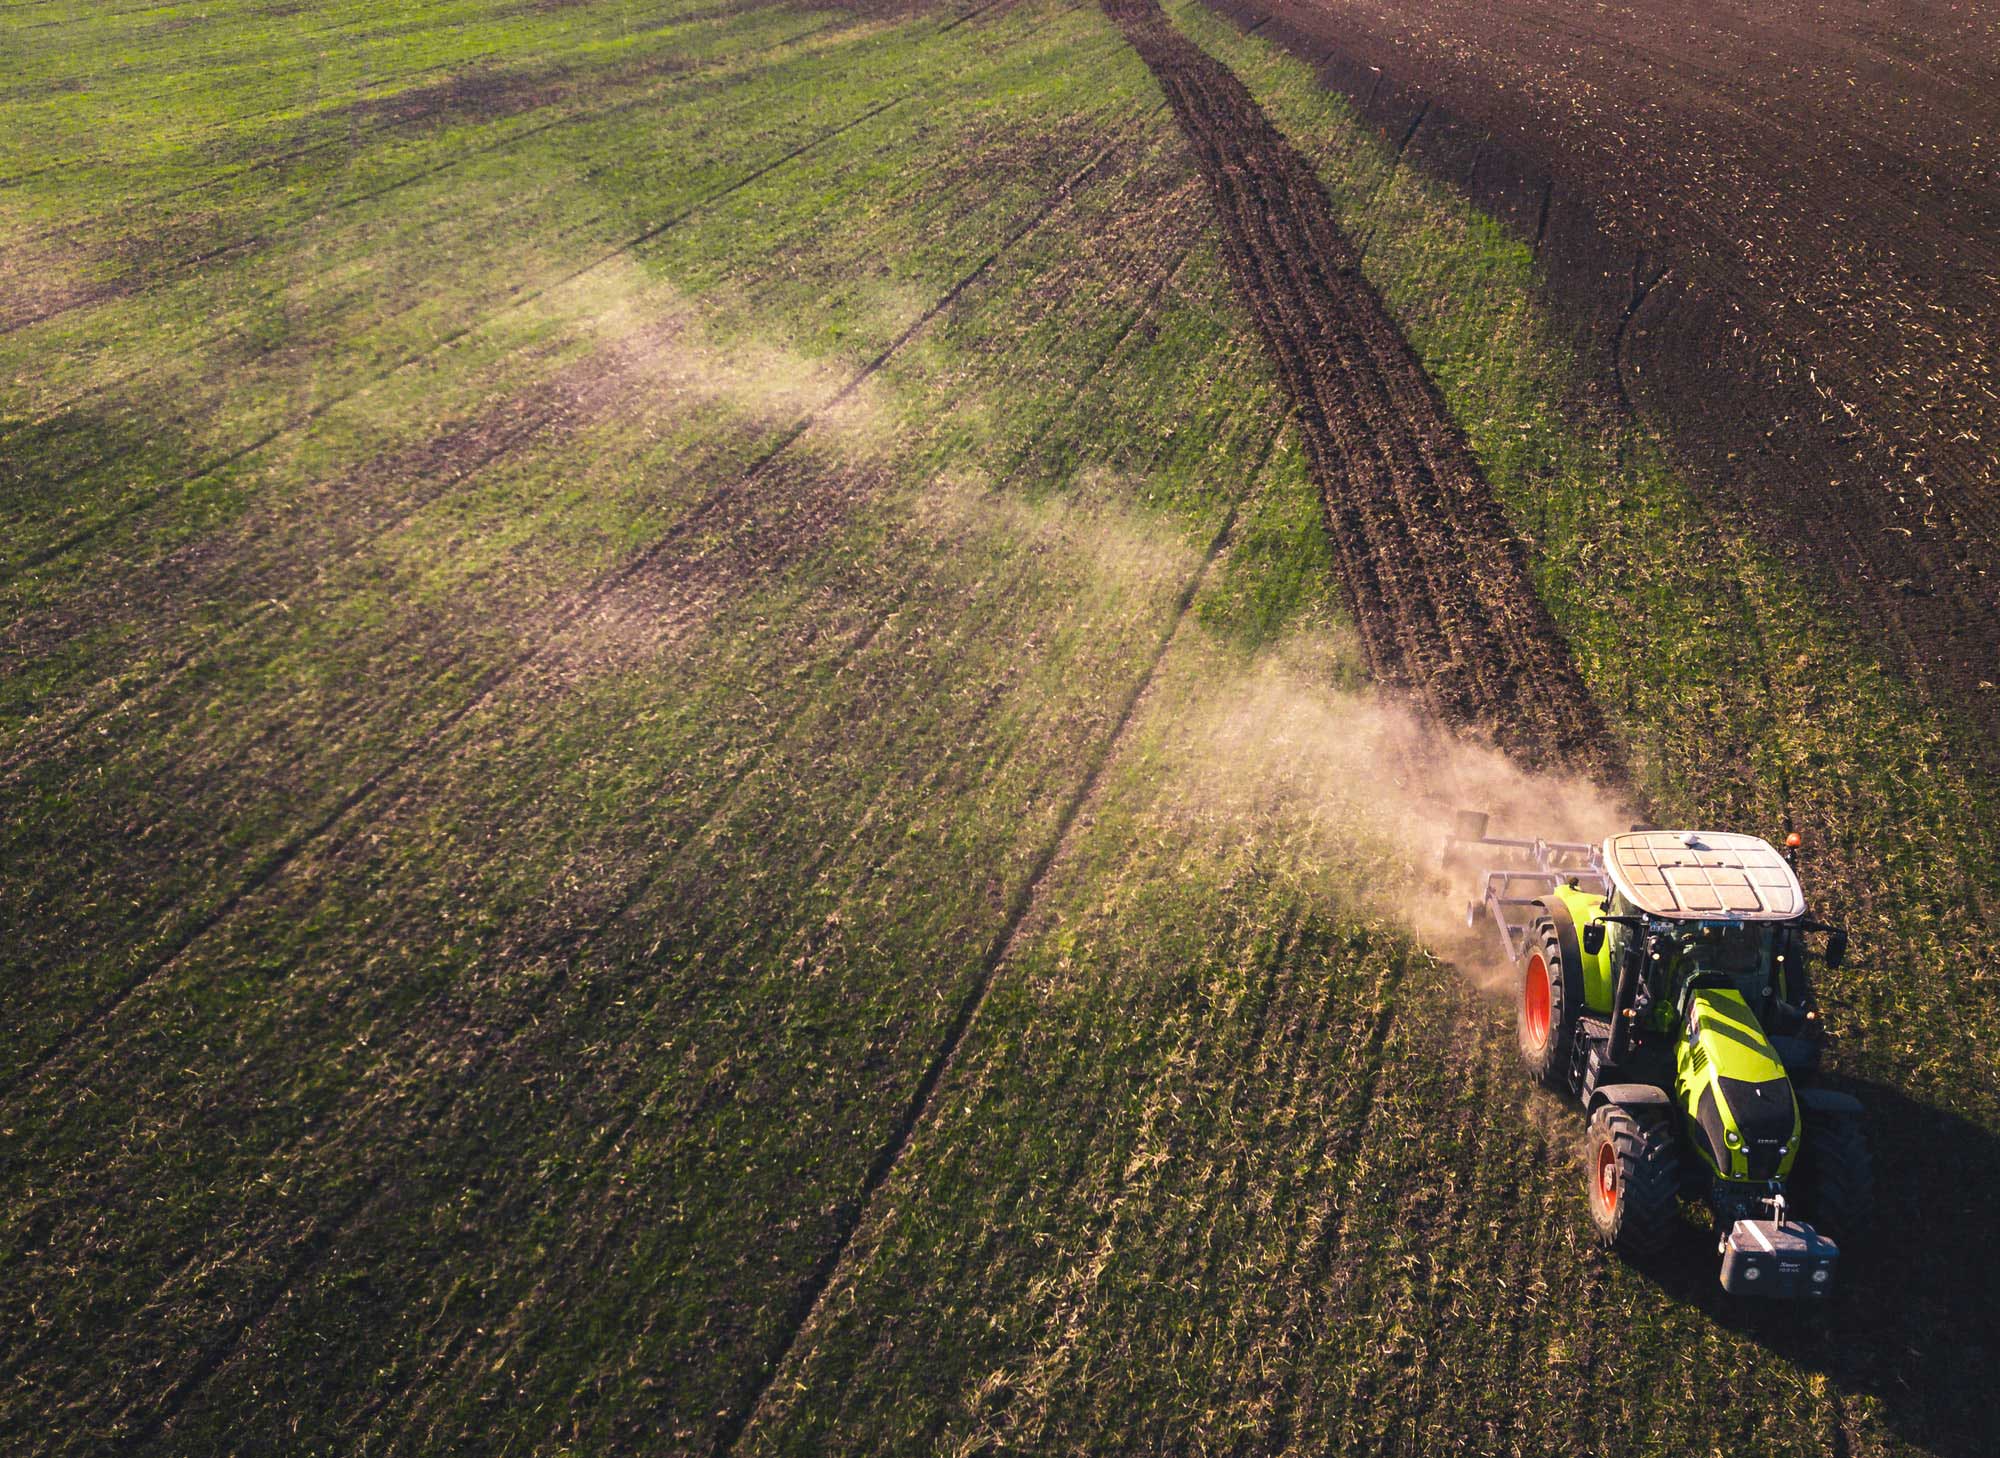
(1743, 1116)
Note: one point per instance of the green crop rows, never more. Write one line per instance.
(589, 586)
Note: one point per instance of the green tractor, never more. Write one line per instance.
(1664, 983)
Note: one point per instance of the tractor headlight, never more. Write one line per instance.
(1821, 1276)
(1733, 1137)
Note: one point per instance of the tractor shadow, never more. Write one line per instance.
(1917, 1324)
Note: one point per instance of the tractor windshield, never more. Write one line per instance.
(1736, 951)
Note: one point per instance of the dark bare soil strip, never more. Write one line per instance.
(475, 96)
(1438, 586)
(148, 257)
(1776, 225)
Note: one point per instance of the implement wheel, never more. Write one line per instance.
(1631, 1175)
(1551, 997)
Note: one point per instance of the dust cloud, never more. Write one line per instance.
(694, 355)
(1089, 534)
(1355, 792)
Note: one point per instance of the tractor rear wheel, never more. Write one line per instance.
(1835, 1180)
(1631, 1179)
(1551, 998)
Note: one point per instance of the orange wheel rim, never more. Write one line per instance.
(1535, 997)
(1607, 1177)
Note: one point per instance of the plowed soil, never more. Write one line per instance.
(1788, 215)
(1434, 576)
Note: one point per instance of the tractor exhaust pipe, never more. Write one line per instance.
(1621, 1003)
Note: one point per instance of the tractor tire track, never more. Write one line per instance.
(496, 678)
(694, 79)
(1439, 588)
(320, 1241)
(738, 1420)
(144, 500)
(357, 1209)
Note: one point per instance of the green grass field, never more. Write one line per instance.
(676, 744)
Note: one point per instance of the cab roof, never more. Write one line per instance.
(1696, 875)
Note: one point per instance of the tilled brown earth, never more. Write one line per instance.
(1437, 583)
(1779, 222)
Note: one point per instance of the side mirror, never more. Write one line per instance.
(1836, 948)
(1593, 937)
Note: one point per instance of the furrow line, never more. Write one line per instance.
(1438, 585)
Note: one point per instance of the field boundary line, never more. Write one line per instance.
(807, 1303)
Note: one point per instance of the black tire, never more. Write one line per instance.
(1835, 1179)
(1550, 998)
(1631, 1174)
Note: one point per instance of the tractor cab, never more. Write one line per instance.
(1717, 912)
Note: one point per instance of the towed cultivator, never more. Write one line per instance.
(1664, 984)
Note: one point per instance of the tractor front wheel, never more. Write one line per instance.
(1631, 1179)
(1836, 1178)
(1551, 997)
